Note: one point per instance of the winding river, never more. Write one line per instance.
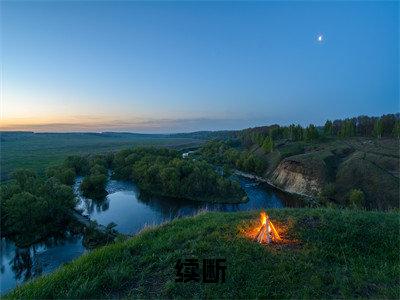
(131, 212)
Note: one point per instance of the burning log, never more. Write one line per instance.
(267, 232)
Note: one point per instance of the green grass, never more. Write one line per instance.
(338, 254)
(38, 151)
(368, 164)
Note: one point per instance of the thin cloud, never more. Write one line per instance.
(166, 125)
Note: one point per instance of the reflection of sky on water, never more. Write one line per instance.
(131, 212)
(124, 206)
(21, 264)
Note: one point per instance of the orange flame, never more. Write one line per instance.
(270, 227)
(263, 216)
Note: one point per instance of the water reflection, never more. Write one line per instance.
(21, 264)
(131, 211)
(90, 206)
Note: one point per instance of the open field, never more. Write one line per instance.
(36, 151)
(328, 254)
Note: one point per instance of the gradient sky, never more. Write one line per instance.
(174, 66)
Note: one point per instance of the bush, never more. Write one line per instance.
(356, 198)
(93, 186)
(62, 174)
(292, 149)
(93, 238)
(26, 179)
(98, 169)
(327, 194)
(79, 164)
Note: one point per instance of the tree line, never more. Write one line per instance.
(375, 127)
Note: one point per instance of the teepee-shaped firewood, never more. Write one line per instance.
(267, 232)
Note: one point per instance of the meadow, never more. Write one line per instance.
(327, 253)
(37, 151)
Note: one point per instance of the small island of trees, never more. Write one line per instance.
(163, 172)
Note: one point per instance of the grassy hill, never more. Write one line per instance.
(36, 151)
(370, 165)
(327, 254)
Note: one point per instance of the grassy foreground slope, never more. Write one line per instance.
(337, 253)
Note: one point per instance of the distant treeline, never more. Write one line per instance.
(377, 127)
(207, 135)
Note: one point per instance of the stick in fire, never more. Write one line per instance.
(267, 232)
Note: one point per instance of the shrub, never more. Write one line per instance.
(62, 174)
(93, 186)
(356, 198)
(79, 164)
(292, 149)
(327, 194)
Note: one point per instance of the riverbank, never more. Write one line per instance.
(316, 262)
(329, 169)
(131, 212)
(309, 200)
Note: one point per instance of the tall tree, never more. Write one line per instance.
(365, 125)
(378, 129)
(268, 144)
(348, 128)
(396, 129)
(311, 133)
(328, 128)
(388, 123)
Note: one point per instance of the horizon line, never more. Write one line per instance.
(25, 127)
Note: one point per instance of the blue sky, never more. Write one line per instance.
(175, 66)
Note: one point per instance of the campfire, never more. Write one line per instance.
(267, 232)
(263, 231)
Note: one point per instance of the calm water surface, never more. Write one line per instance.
(131, 212)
